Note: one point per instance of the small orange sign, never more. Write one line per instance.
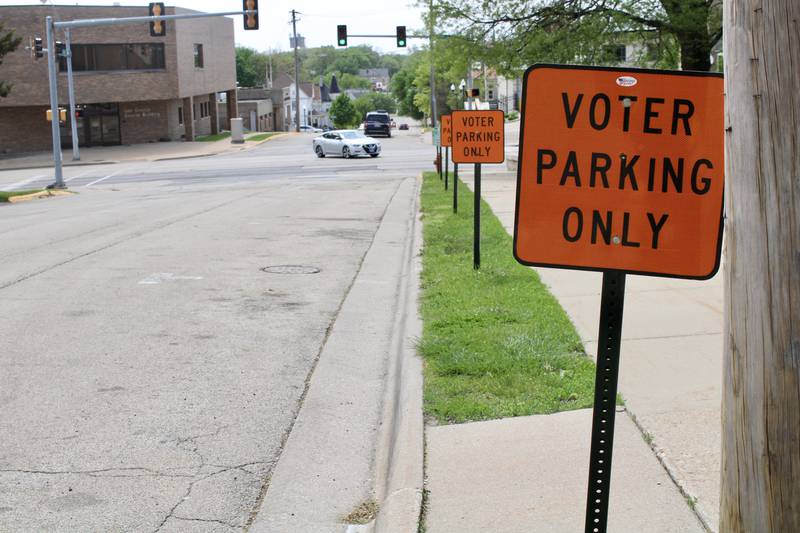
(447, 130)
(621, 169)
(478, 136)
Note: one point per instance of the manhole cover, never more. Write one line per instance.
(290, 269)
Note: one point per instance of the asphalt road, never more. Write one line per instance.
(152, 372)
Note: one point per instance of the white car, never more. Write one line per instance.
(310, 129)
(346, 143)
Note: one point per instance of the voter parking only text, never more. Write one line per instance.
(478, 136)
(621, 169)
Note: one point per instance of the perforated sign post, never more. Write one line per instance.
(620, 171)
(478, 137)
(447, 140)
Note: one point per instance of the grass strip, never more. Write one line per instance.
(5, 195)
(260, 137)
(212, 138)
(496, 343)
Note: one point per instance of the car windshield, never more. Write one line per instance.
(378, 118)
(352, 135)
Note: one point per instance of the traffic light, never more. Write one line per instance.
(401, 36)
(341, 31)
(61, 49)
(38, 48)
(158, 28)
(62, 115)
(250, 19)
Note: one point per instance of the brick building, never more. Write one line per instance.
(129, 87)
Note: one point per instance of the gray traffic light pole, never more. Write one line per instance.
(50, 28)
(76, 151)
(54, 116)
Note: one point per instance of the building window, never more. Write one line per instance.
(180, 115)
(205, 109)
(617, 52)
(105, 57)
(198, 56)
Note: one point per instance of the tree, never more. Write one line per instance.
(8, 43)
(582, 30)
(372, 102)
(761, 356)
(351, 81)
(251, 67)
(404, 90)
(343, 113)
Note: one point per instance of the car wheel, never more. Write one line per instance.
(388, 134)
(320, 151)
(346, 152)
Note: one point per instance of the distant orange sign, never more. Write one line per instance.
(478, 136)
(621, 169)
(447, 130)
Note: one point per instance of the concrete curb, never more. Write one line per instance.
(64, 164)
(400, 475)
(38, 195)
(167, 158)
(338, 453)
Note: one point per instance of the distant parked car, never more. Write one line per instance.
(378, 122)
(346, 143)
(310, 129)
(403, 126)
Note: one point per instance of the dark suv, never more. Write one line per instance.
(378, 122)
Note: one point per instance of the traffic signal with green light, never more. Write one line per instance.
(250, 19)
(341, 32)
(401, 36)
(158, 28)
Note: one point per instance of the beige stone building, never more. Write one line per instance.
(129, 87)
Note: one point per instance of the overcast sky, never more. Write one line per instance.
(317, 23)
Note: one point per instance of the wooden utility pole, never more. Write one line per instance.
(296, 72)
(761, 386)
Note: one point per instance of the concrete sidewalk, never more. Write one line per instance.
(98, 155)
(530, 473)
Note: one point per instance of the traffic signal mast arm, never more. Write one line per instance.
(392, 36)
(85, 23)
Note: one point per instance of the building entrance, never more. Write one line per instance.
(98, 125)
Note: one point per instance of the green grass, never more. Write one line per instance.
(260, 137)
(212, 138)
(5, 195)
(496, 343)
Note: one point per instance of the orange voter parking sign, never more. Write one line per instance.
(621, 169)
(447, 130)
(478, 136)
